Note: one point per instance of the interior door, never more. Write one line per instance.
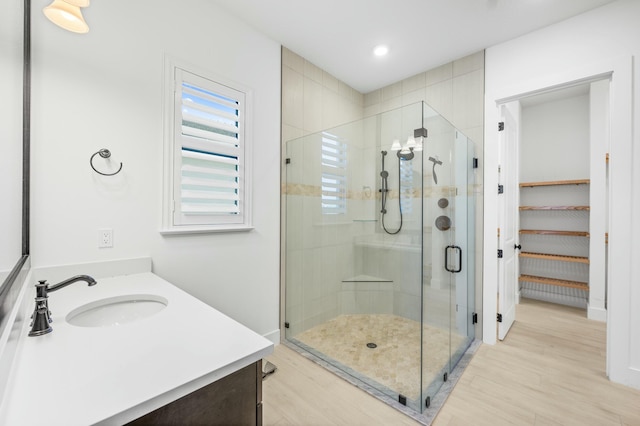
(508, 218)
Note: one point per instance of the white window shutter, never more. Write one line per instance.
(209, 147)
(334, 175)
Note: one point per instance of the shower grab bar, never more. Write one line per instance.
(446, 258)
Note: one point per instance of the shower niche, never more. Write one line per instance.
(378, 251)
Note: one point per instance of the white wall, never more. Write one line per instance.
(598, 41)
(555, 140)
(105, 90)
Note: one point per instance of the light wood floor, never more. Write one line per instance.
(548, 371)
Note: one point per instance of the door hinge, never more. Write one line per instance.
(286, 325)
(501, 126)
(499, 253)
(500, 189)
(474, 318)
(475, 163)
(499, 318)
(420, 133)
(287, 161)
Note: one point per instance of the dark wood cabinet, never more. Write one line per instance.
(233, 400)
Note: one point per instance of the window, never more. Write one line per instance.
(208, 187)
(334, 175)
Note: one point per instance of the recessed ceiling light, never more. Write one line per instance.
(381, 50)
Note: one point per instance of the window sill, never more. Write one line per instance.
(205, 230)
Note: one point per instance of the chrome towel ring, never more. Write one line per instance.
(104, 153)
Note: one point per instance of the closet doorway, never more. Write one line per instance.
(553, 185)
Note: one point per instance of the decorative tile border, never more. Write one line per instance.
(368, 193)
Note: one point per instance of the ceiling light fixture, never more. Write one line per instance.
(67, 14)
(380, 50)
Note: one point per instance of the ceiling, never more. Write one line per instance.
(339, 35)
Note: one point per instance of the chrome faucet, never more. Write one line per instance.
(41, 317)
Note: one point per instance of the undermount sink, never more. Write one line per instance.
(116, 310)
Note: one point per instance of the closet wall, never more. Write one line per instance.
(555, 136)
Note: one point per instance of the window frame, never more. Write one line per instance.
(175, 72)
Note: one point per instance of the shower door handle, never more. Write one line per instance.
(446, 259)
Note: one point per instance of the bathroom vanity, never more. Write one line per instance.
(185, 363)
(233, 400)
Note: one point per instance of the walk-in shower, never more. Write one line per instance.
(377, 284)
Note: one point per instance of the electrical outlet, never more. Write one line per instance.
(105, 238)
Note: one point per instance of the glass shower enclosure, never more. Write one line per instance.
(379, 267)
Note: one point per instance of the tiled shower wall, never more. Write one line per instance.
(314, 100)
(456, 91)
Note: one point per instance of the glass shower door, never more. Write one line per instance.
(461, 248)
(448, 296)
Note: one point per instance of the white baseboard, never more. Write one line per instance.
(597, 314)
(273, 336)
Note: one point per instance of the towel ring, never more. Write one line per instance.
(104, 153)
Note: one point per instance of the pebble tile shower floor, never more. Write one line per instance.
(395, 361)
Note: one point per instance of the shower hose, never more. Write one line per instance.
(384, 192)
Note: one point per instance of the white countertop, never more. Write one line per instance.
(112, 375)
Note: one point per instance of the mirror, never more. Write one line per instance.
(11, 138)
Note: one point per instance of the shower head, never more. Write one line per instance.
(384, 174)
(384, 153)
